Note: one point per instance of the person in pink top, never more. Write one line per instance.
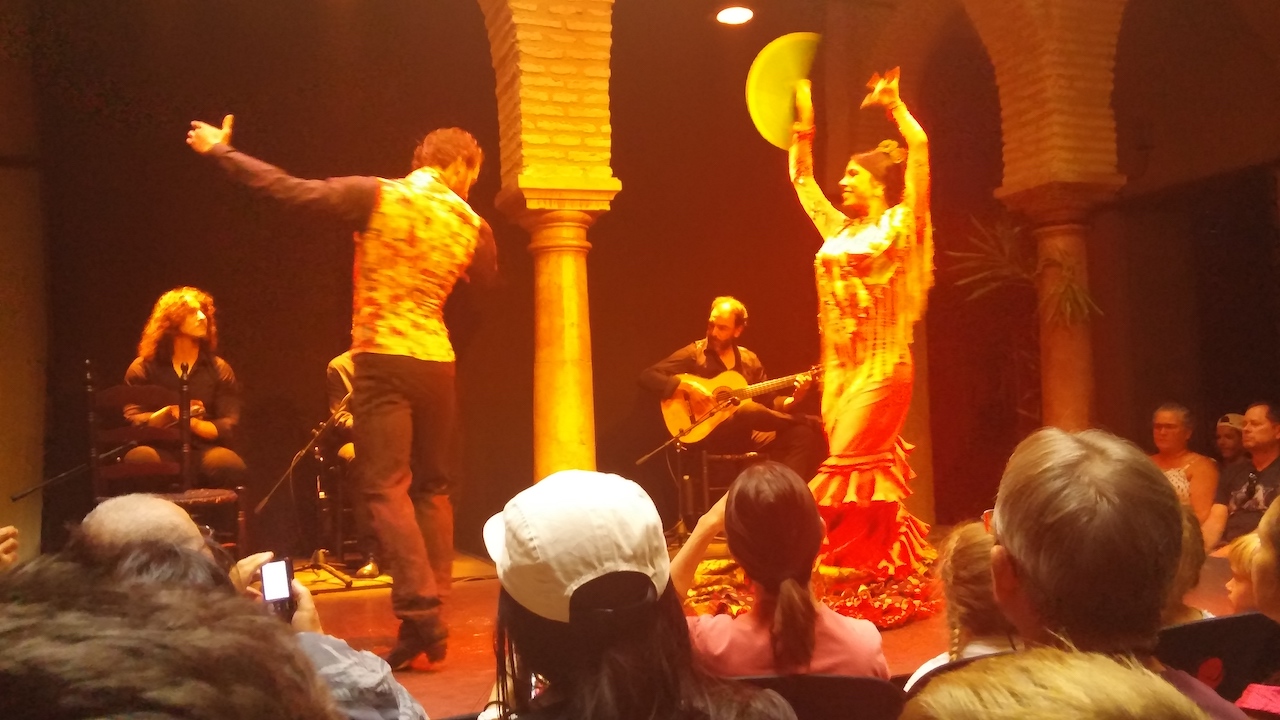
(775, 532)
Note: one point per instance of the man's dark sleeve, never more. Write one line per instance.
(483, 271)
(137, 375)
(661, 379)
(350, 199)
(225, 413)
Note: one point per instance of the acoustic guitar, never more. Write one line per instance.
(727, 391)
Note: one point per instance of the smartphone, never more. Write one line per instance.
(277, 587)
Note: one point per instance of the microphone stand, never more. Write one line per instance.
(684, 484)
(679, 437)
(60, 477)
(319, 559)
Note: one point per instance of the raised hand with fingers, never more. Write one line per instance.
(202, 136)
(884, 90)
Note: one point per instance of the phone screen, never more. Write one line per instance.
(275, 581)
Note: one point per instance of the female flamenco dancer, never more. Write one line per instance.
(874, 271)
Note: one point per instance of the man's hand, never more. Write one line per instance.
(245, 570)
(204, 429)
(803, 383)
(700, 401)
(203, 136)
(164, 417)
(8, 546)
(305, 618)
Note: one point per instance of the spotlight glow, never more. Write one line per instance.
(735, 15)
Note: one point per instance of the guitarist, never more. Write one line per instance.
(776, 426)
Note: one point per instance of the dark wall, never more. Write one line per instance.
(1187, 278)
(976, 370)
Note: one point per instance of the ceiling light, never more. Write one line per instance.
(735, 15)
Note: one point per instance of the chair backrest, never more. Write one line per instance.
(110, 437)
(835, 697)
(1225, 653)
(946, 668)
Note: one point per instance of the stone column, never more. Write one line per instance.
(563, 398)
(1059, 213)
(23, 331)
(551, 61)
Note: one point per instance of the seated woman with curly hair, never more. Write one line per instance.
(182, 330)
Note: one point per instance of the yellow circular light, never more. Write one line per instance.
(735, 15)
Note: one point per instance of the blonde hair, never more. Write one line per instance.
(167, 316)
(1094, 530)
(1242, 553)
(964, 571)
(1266, 584)
(1051, 683)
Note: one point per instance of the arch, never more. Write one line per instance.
(1054, 65)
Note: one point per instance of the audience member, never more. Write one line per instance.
(124, 519)
(80, 649)
(1248, 488)
(1087, 539)
(976, 625)
(8, 546)
(1266, 564)
(1242, 553)
(1229, 439)
(182, 330)
(774, 532)
(587, 609)
(1190, 562)
(147, 538)
(1193, 476)
(1262, 700)
(1049, 683)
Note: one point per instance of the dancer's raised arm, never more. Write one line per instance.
(824, 215)
(884, 91)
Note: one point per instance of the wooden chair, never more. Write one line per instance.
(835, 697)
(110, 438)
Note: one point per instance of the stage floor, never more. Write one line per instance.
(462, 682)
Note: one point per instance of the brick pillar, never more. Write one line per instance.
(1059, 213)
(551, 60)
(1054, 62)
(23, 330)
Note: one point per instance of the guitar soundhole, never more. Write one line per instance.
(722, 395)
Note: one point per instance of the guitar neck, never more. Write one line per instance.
(765, 387)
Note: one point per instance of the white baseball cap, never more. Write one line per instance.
(573, 527)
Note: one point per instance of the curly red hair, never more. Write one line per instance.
(168, 315)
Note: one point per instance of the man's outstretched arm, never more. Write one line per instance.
(350, 199)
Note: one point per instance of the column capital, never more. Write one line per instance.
(1060, 203)
(534, 199)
